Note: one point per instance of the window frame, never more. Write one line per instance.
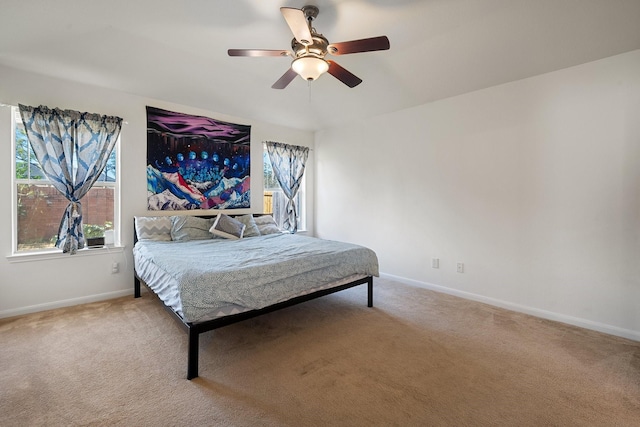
(301, 195)
(54, 252)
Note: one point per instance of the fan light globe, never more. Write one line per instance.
(309, 67)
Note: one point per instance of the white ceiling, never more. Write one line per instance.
(177, 51)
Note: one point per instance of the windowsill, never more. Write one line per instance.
(39, 256)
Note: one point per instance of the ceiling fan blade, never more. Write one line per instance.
(298, 23)
(285, 79)
(257, 52)
(362, 45)
(343, 75)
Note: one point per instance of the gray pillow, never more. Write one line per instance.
(227, 227)
(267, 225)
(185, 228)
(251, 229)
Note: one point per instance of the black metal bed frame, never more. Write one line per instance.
(194, 329)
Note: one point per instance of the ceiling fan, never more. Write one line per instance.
(310, 48)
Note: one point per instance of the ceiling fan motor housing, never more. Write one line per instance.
(318, 48)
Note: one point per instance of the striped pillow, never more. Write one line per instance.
(153, 227)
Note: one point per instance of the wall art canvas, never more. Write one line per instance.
(196, 162)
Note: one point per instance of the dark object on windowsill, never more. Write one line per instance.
(95, 242)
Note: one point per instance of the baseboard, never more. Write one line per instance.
(64, 303)
(549, 315)
(544, 314)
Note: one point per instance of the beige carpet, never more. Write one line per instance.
(416, 358)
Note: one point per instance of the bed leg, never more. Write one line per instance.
(192, 363)
(370, 292)
(136, 287)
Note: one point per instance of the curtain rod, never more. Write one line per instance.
(310, 149)
(2, 104)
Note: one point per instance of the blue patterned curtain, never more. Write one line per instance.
(288, 163)
(72, 149)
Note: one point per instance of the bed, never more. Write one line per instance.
(211, 272)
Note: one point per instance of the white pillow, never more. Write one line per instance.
(153, 227)
(267, 225)
(227, 227)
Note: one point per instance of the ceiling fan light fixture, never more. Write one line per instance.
(310, 67)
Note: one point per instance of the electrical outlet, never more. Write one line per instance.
(460, 267)
(435, 262)
(115, 268)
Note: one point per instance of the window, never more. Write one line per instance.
(38, 206)
(274, 198)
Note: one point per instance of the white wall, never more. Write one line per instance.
(534, 185)
(37, 285)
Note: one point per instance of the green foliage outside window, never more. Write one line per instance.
(95, 230)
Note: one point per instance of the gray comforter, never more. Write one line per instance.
(254, 272)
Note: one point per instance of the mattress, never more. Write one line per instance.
(206, 279)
